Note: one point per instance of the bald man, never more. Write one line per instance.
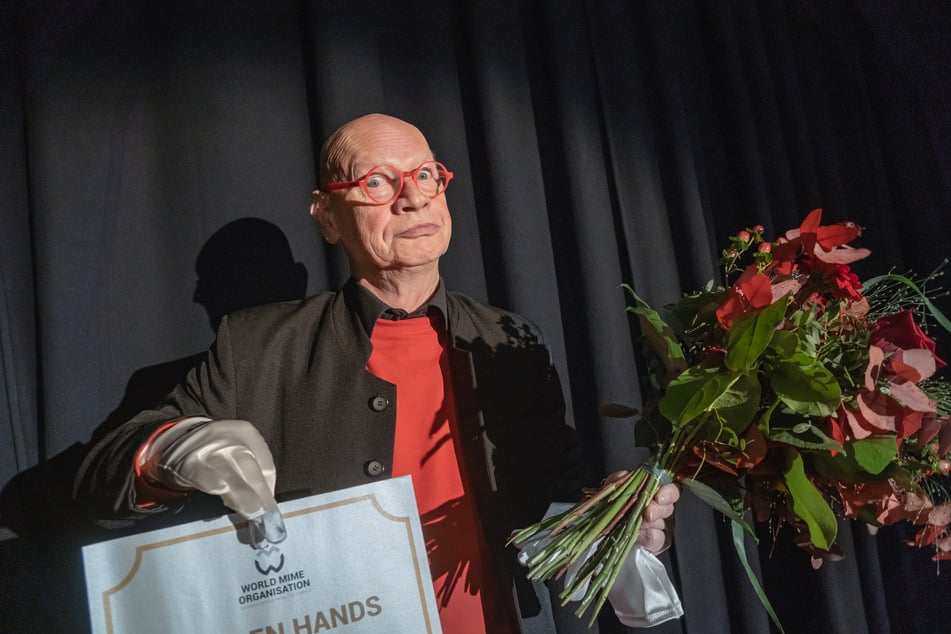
(391, 375)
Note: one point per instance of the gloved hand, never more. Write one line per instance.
(227, 458)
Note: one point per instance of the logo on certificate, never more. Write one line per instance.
(269, 559)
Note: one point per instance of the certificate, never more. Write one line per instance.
(354, 561)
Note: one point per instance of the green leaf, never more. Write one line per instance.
(740, 546)
(659, 335)
(808, 503)
(875, 453)
(903, 478)
(804, 435)
(708, 388)
(784, 344)
(845, 468)
(747, 339)
(805, 385)
(694, 309)
(738, 406)
(689, 393)
(711, 497)
(651, 430)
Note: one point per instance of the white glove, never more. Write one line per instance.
(227, 458)
(643, 594)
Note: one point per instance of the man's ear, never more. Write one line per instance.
(322, 213)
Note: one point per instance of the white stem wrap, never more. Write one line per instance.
(642, 595)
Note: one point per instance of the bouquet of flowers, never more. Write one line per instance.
(796, 392)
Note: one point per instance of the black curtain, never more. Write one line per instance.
(593, 143)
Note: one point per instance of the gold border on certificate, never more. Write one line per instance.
(370, 497)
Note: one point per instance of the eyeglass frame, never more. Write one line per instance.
(362, 182)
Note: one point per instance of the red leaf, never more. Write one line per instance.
(880, 411)
(811, 222)
(757, 290)
(838, 234)
(857, 424)
(914, 365)
(925, 537)
(842, 255)
(784, 287)
(754, 448)
(940, 515)
(784, 255)
(835, 429)
(717, 455)
(911, 396)
(930, 426)
(732, 308)
(909, 424)
(944, 437)
(808, 229)
(875, 357)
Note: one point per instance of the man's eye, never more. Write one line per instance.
(424, 175)
(375, 181)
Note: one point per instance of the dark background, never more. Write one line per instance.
(593, 143)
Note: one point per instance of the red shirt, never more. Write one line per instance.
(411, 353)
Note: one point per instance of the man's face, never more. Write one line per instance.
(413, 231)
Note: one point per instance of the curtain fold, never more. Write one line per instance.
(594, 143)
(21, 445)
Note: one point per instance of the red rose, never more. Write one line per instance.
(903, 332)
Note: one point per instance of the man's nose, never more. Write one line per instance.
(411, 198)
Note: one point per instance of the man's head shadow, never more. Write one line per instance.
(248, 262)
(245, 263)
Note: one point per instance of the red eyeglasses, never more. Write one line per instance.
(384, 183)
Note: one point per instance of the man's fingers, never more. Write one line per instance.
(659, 524)
(653, 536)
(663, 503)
(656, 511)
(653, 539)
(667, 494)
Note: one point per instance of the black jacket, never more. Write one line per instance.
(296, 370)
